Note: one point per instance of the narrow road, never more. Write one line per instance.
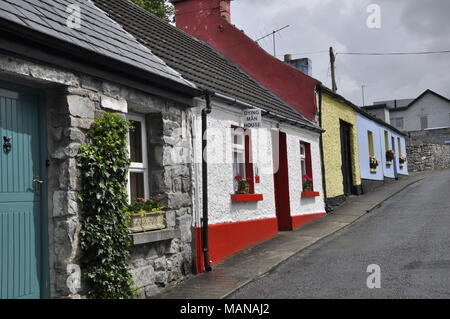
(408, 237)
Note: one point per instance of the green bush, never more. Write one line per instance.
(105, 239)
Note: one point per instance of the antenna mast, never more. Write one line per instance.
(273, 33)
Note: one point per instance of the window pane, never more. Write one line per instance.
(136, 142)
(136, 186)
(424, 122)
(370, 141)
(303, 167)
(398, 122)
(238, 163)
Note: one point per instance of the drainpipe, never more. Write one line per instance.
(327, 208)
(205, 112)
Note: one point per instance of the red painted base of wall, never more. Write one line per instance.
(298, 221)
(228, 239)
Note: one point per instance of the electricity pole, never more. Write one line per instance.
(333, 70)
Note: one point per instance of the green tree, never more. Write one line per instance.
(160, 8)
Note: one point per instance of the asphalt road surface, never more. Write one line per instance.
(408, 237)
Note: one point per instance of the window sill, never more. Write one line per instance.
(239, 198)
(310, 194)
(155, 236)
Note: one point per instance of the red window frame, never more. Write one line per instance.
(308, 161)
(249, 174)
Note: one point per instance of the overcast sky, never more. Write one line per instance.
(315, 25)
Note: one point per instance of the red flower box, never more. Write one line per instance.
(239, 198)
(310, 194)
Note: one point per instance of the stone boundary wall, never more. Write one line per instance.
(427, 151)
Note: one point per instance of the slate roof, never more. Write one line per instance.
(98, 33)
(196, 60)
(359, 109)
(403, 105)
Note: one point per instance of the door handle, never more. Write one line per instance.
(38, 182)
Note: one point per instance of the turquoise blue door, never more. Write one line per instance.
(20, 195)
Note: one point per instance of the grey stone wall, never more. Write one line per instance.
(427, 151)
(417, 138)
(72, 102)
(428, 157)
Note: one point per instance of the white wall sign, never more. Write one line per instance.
(252, 118)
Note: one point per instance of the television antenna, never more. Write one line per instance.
(273, 33)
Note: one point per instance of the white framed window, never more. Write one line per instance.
(238, 152)
(303, 158)
(138, 182)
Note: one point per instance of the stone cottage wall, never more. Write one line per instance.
(427, 151)
(72, 102)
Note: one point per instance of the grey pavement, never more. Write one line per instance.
(248, 274)
(408, 237)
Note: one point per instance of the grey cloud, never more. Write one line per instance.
(407, 25)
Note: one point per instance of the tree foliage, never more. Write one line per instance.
(159, 8)
(105, 237)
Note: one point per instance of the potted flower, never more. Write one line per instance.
(243, 185)
(390, 155)
(402, 160)
(373, 162)
(307, 183)
(145, 215)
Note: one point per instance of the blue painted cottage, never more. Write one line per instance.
(382, 151)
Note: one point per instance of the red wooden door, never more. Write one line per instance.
(281, 178)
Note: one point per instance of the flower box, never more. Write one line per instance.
(239, 198)
(310, 194)
(373, 164)
(145, 221)
(390, 155)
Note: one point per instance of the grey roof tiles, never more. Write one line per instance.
(194, 59)
(98, 33)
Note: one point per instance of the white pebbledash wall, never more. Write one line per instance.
(299, 205)
(220, 175)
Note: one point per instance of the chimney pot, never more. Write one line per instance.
(287, 57)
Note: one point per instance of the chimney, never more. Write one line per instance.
(198, 8)
(287, 58)
(303, 65)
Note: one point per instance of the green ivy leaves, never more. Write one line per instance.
(105, 239)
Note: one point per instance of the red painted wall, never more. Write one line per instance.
(203, 19)
(299, 221)
(227, 239)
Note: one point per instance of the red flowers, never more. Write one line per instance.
(306, 178)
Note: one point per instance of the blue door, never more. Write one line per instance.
(20, 195)
(394, 161)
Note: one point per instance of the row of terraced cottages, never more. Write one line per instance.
(225, 186)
